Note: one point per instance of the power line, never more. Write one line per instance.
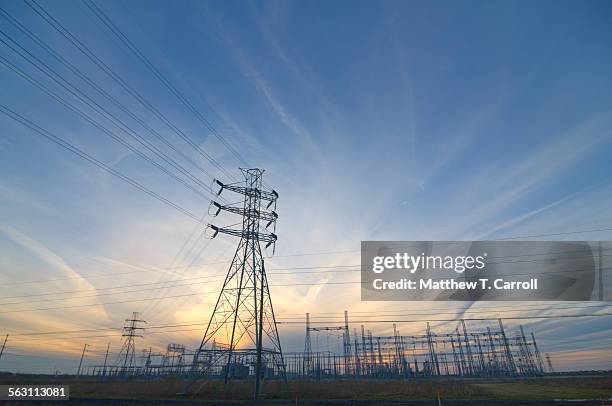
(552, 306)
(144, 284)
(83, 276)
(162, 327)
(53, 22)
(454, 320)
(208, 281)
(469, 311)
(112, 293)
(97, 88)
(104, 274)
(68, 146)
(160, 298)
(316, 253)
(168, 269)
(149, 299)
(85, 99)
(130, 45)
(151, 305)
(96, 124)
(593, 230)
(454, 242)
(165, 289)
(43, 333)
(327, 269)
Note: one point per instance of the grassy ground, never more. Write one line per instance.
(339, 390)
(562, 388)
(213, 390)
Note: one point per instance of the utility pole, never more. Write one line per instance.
(537, 354)
(468, 348)
(105, 359)
(432, 357)
(347, 345)
(82, 357)
(493, 355)
(509, 358)
(3, 345)
(549, 363)
(364, 352)
(358, 369)
(148, 362)
(600, 274)
(243, 313)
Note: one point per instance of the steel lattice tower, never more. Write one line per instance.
(131, 330)
(307, 366)
(242, 325)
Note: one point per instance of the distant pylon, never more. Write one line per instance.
(131, 329)
(105, 359)
(549, 363)
(82, 358)
(346, 338)
(243, 323)
(3, 345)
(307, 362)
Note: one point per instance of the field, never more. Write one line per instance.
(580, 390)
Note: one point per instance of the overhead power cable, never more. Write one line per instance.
(592, 230)
(57, 56)
(85, 99)
(162, 298)
(340, 322)
(28, 336)
(184, 254)
(130, 45)
(176, 282)
(321, 268)
(77, 72)
(96, 124)
(55, 24)
(68, 146)
(469, 311)
(168, 269)
(165, 289)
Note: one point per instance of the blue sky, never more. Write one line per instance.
(373, 120)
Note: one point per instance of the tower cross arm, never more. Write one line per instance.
(268, 195)
(269, 216)
(265, 237)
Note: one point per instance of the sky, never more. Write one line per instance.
(373, 120)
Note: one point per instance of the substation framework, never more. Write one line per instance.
(487, 352)
(462, 353)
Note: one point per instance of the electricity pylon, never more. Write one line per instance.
(307, 365)
(131, 329)
(242, 325)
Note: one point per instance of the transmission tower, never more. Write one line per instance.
(131, 329)
(307, 349)
(242, 324)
